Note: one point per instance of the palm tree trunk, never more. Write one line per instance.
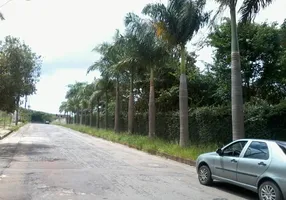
(90, 116)
(66, 117)
(81, 113)
(74, 118)
(152, 105)
(236, 83)
(84, 117)
(131, 105)
(98, 114)
(77, 117)
(106, 110)
(116, 117)
(26, 99)
(183, 101)
(4, 120)
(17, 110)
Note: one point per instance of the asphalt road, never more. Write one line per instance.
(54, 163)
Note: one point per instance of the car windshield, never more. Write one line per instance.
(282, 145)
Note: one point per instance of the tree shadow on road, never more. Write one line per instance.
(238, 191)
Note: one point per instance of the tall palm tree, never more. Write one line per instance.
(74, 93)
(71, 108)
(90, 103)
(105, 86)
(177, 23)
(248, 10)
(64, 109)
(151, 52)
(109, 65)
(129, 63)
(95, 100)
(126, 49)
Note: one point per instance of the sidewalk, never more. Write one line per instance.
(4, 132)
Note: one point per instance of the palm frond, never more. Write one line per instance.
(94, 66)
(1, 16)
(250, 8)
(155, 11)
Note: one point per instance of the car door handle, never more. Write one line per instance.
(233, 160)
(262, 163)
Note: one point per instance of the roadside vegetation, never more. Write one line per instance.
(140, 142)
(151, 88)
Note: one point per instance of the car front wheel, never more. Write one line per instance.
(268, 190)
(204, 175)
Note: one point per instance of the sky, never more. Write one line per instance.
(64, 32)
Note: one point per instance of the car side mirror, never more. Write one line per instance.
(219, 151)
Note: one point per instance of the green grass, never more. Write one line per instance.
(145, 144)
(16, 128)
(4, 119)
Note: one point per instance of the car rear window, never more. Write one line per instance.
(282, 145)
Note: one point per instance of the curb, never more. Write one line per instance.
(170, 157)
(1, 137)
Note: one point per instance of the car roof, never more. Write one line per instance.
(262, 140)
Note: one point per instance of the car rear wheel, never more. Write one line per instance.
(268, 190)
(204, 175)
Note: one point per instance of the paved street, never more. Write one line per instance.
(54, 163)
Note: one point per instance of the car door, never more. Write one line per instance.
(253, 163)
(226, 163)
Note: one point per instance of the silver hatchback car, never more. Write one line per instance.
(257, 165)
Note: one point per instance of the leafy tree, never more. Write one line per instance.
(20, 71)
(262, 68)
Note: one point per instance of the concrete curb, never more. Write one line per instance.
(175, 158)
(5, 135)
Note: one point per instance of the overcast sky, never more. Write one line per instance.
(65, 31)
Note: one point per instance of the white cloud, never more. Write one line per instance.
(64, 32)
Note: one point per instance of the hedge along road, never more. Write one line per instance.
(51, 162)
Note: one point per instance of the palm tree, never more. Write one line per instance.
(74, 93)
(120, 60)
(89, 90)
(71, 106)
(104, 87)
(109, 65)
(128, 62)
(95, 99)
(151, 52)
(248, 10)
(64, 109)
(177, 23)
